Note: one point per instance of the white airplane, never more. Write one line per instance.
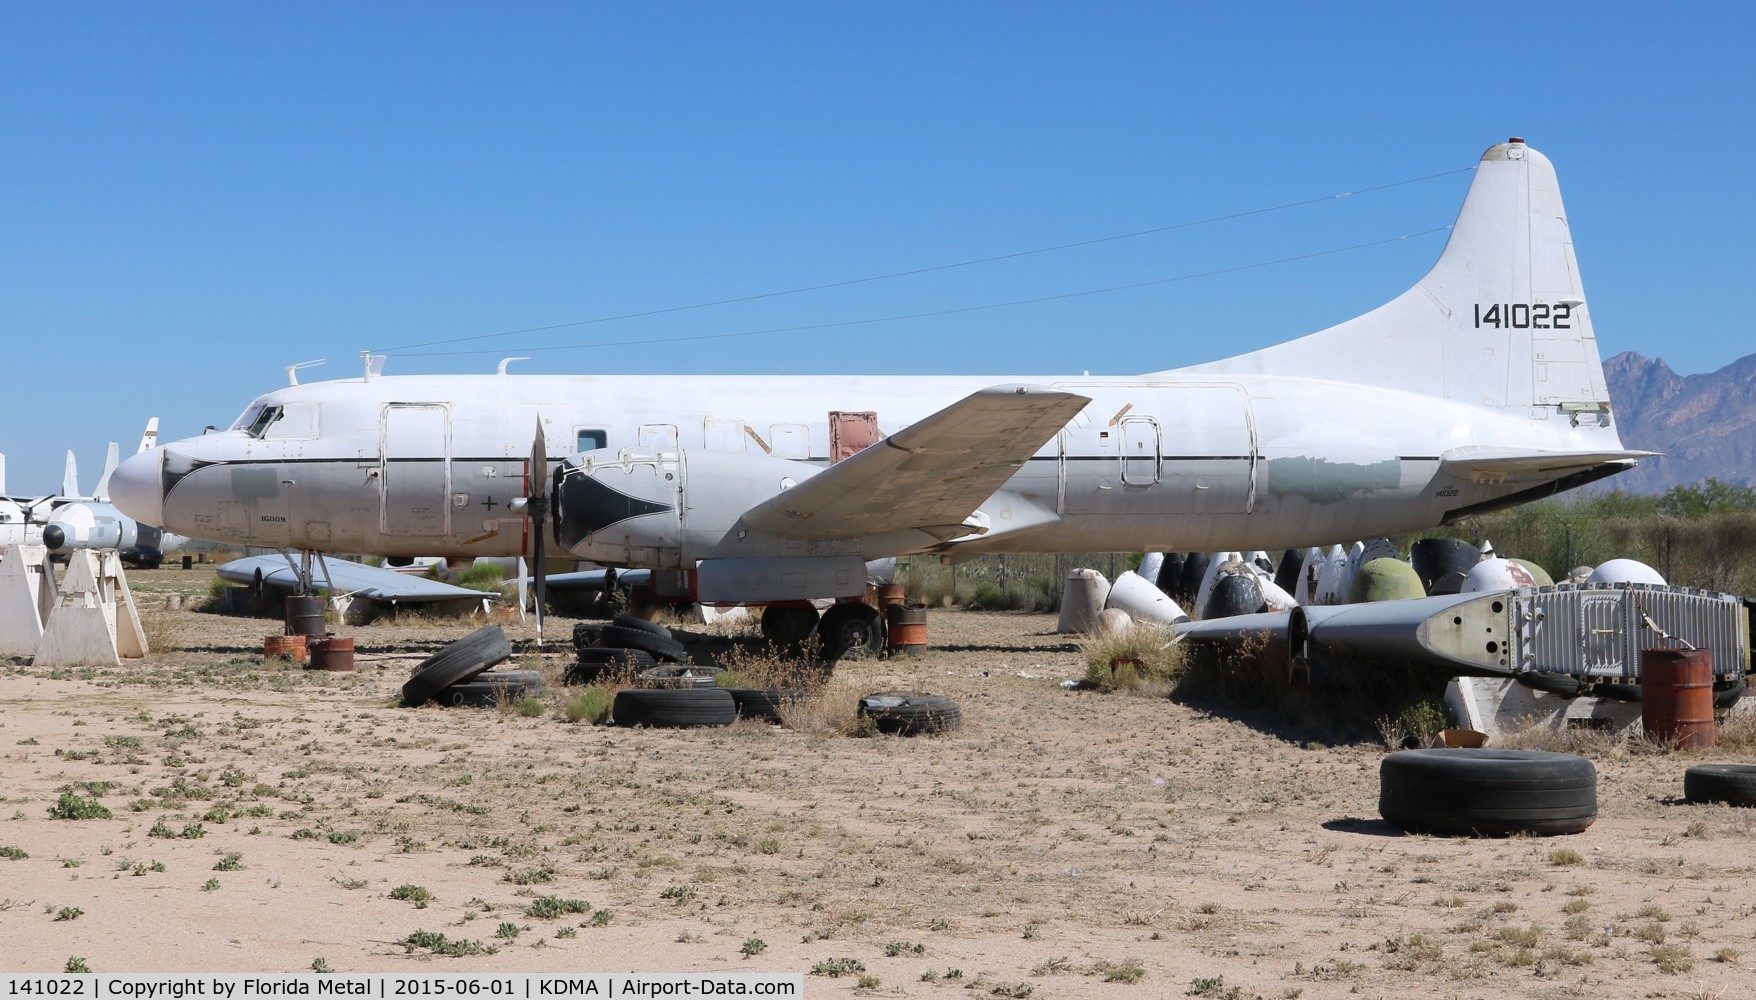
(73, 520)
(1479, 388)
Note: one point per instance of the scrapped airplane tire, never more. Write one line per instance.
(1727, 695)
(639, 659)
(456, 663)
(661, 647)
(1733, 784)
(587, 634)
(602, 663)
(675, 708)
(763, 703)
(679, 676)
(1487, 792)
(851, 632)
(1565, 685)
(492, 688)
(911, 713)
(636, 622)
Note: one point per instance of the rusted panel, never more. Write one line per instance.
(851, 432)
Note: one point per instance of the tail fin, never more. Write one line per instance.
(2, 475)
(151, 437)
(1500, 321)
(102, 492)
(70, 477)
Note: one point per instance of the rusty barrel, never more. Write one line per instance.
(1676, 696)
(290, 646)
(907, 629)
(891, 593)
(332, 652)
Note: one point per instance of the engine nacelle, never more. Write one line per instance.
(667, 510)
(91, 525)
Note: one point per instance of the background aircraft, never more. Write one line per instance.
(1478, 388)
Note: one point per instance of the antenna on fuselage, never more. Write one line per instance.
(506, 361)
(293, 370)
(374, 364)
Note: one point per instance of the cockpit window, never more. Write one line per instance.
(264, 419)
(248, 418)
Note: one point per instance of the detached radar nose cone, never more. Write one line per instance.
(135, 489)
(54, 538)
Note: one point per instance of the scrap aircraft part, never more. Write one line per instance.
(1234, 594)
(96, 621)
(1216, 568)
(27, 594)
(1169, 573)
(1143, 601)
(1442, 561)
(1310, 571)
(1083, 595)
(351, 584)
(1112, 621)
(1459, 633)
(1385, 579)
(1625, 571)
(1598, 630)
(1501, 706)
(1150, 565)
(1539, 577)
(1496, 574)
(1195, 567)
(1286, 572)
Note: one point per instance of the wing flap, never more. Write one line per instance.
(930, 476)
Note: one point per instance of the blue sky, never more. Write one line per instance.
(195, 195)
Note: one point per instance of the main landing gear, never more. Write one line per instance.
(854, 630)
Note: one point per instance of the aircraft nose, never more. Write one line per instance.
(135, 487)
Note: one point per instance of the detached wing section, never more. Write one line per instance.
(352, 577)
(1482, 464)
(929, 476)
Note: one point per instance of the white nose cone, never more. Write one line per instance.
(1496, 574)
(135, 490)
(1625, 571)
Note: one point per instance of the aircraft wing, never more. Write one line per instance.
(1482, 464)
(350, 577)
(928, 476)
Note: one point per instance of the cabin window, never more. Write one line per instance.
(591, 440)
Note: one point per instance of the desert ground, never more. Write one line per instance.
(1061, 843)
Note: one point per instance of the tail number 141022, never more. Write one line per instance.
(1525, 316)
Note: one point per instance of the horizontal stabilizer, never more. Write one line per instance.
(928, 476)
(350, 577)
(1511, 465)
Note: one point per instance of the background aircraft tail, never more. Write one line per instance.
(1500, 321)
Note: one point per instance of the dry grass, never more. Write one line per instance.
(1138, 658)
(163, 630)
(832, 708)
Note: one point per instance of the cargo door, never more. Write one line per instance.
(414, 470)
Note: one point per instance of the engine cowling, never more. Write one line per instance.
(667, 510)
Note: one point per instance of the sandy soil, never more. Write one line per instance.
(1061, 844)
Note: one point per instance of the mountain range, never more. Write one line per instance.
(1704, 424)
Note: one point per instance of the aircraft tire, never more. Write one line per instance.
(456, 663)
(851, 632)
(763, 703)
(675, 708)
(637, 622)
(1565, 685)
(488, 690)
(788, 625)
(661, 647)
(598, 662)
(1487, 792)
(1733, 784)
(586, 635)
(911, 713)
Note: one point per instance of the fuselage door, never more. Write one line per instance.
(1140, 451)
(851, 432)
(414, 469)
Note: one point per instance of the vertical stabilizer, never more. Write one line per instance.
(151, 437)
(70, 477)
(103, 488)
(2, 475)
(1501, 320)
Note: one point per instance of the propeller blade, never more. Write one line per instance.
(523, 573)
(538, 507)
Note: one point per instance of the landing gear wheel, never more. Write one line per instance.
(788, 625)
(851, 631)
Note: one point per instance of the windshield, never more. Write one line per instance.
(257, 419)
